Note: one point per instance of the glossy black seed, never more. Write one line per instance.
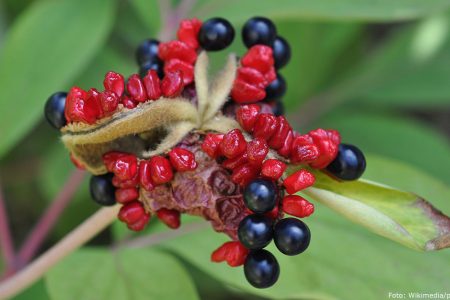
(255, 231)
(291, 236)
(157, 66)
(102, 189)
(216, 34)
(277, 88)
(259, 31)
(281, 52)
(349, 164)
(147, 52)
(261, 269)
(260, 195)
(278, 108)
(54, 110)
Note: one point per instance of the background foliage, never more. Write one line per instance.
(378, 71)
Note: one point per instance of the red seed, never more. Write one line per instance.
(188, 32)
(109, 102)
(252, 77)
(140, 224)
(182, 159)
(265, 126)
(233, 144)
(123, 165)
(245, 173)
(123, 184)
(145, 178)
(136, 88)
(273, 169)
(114, 82)
(234, 253)
(246, 116)
(94, 100)
(334, 136)
(285, 149)
(131, 212)
(281, 133)
(259, 57)
(152, 85)
(170, 217)
(128, 102)
(257, 150)
(270, 75)
(176, 65)
(177, 49)
(273, 214)
(297, 206)
(244, 92)
(211, 144)
(304, 154)
(328, 149)
(233, 163)
(76, 163)
(172, 84)
(298, 181)
(160, 170)
(126, 195)
(78, 109)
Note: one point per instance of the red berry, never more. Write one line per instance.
(243, 174)
(123, 184)
(257, 150)
(136, 88)
(252, 77)
(170, 217)
(152, 85)
(182, 159)
(270, 75)
(177, 49)
(126, 195)
(298, 181)
(211, 144)
(109, 102)
(273, 169)
(233, 163)
(176, 65)
(114, 82)
(123, 165)
(76, 163)
(188, 32)
(265, 126)
(140, 224)
(304, 154)
(145, 178)
(94, 100)
(128, 102)
(285, 149)
(234, 253)
(79, 109)
(281, 133)
(244, 92)
(327, 147)
(246, 116)
(172, 84)
(160, 170)
(334, 136)
(131, 212)
(259, 57)
(233, 144)
(297, 206)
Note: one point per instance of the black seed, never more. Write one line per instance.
(255, 231)
(102, 190)
(281, 52)
(349, 164)
(260, 195)
(259, 31)
(216, 34)
(147, 52)
(54, 110)
(291, 236)
(261, 269)
(157, 66)
(278, 108)
(277, 88)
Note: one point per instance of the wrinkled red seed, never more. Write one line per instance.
(177, 49)
(172, 84)
(234, 253)
(145, 178)
(123, 184)
(281, 133)
(94, 100)
(114, 82)
(286, 148)
(182, 159)
(298, 181)
(140, 224)
(128, 102)
(327, 148)
(244, 92)
(273, 214)
(123, 165)
(270, 75)
(109, 102)
(126, 195)
(188, 32)
(273, 169)
(170, 217)
(232, 163)
(136, 89)
(160, 170)
(131, 212)
(176, 65)
(259, 57)
(233, 144)
(76, 163)
(265, 126)
(304, 154)
(78, 109)
(152, 85)
(243, 174)
(211, 144)
(257, 150)
(297, 206)
(246, 116)
(252, 77)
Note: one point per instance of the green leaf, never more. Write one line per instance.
(36, 291)
(149, 14)
(401, 216)
(128, 274)
(382, 10)
(45, 49)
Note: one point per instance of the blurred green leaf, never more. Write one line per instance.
(37, 291)
(128, 274)
(401, 216)
(46, 48)
(393, 136)
(382, 10)
(149, 14)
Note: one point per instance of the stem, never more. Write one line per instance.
(6, 244)
(80, 235)
(50, 217)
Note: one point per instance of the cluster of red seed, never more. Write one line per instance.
(256, 72)
(130, 173)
